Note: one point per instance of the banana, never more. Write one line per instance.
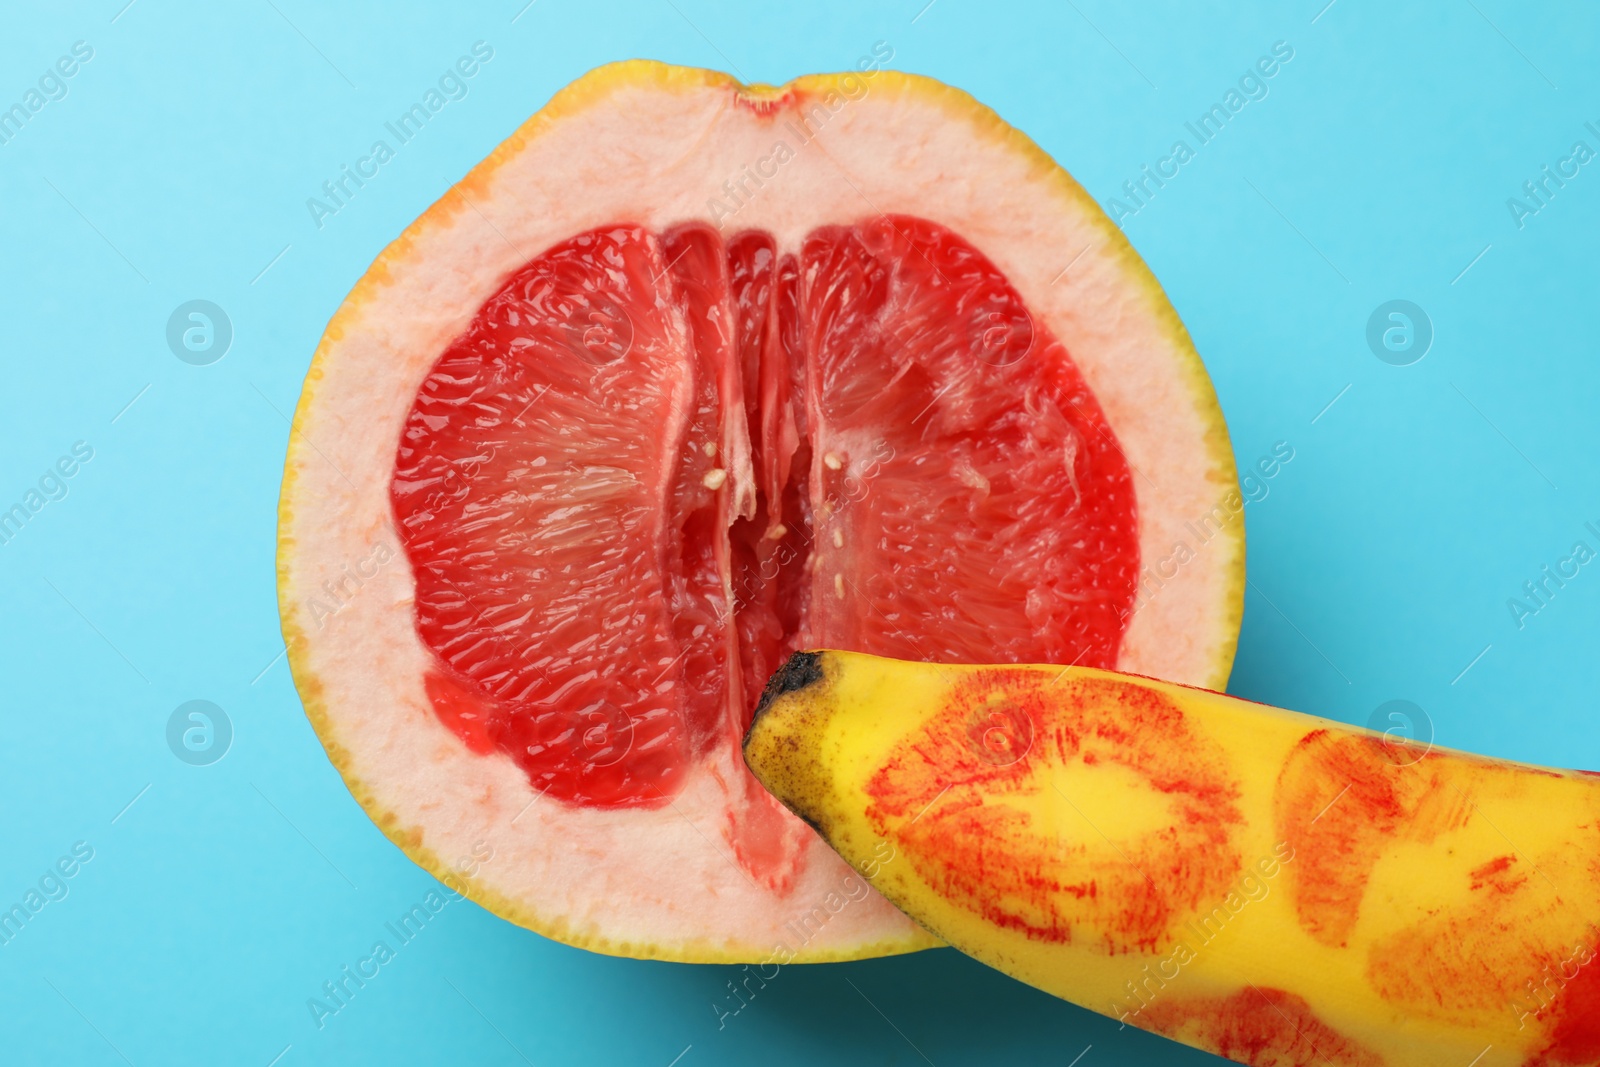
(1272, 887)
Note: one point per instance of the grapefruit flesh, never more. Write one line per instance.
(621, 435)
(609, 562)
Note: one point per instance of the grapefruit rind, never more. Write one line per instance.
(359, 667)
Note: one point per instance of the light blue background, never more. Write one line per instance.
(178, 167)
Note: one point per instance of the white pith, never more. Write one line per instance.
(662, 881)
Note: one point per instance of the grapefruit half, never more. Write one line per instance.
(689, 374)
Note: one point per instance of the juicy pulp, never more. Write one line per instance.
(654, 466)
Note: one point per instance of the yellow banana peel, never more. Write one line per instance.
(1272, 887)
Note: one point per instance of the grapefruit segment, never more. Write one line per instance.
(972, 505)
(568, 389)
(639, 437)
